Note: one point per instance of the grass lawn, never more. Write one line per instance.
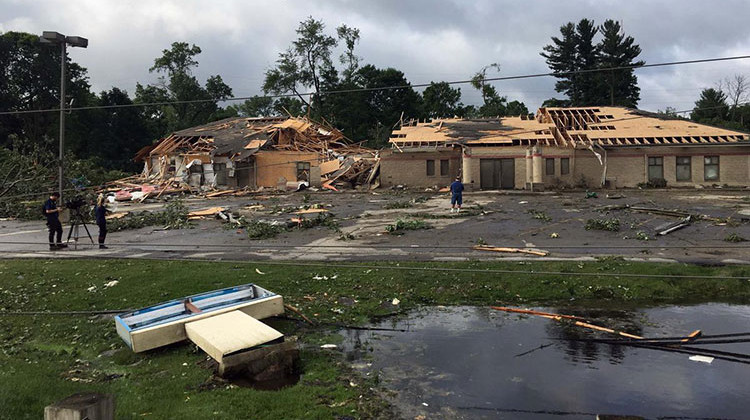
(47, 357)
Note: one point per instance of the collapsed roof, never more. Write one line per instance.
(564, 127)
(238, 138)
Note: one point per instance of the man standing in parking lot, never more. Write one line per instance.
(457, 190)
(53, 222)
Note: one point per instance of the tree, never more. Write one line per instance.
(712, 105)
(440, 101)
(257, 106)
(179, 85)
(561, 57)
(737, 89)
(516, 108)
(587, 56)
(574, 58)
(617, 50)
(304, 63)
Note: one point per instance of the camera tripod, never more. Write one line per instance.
(76, 221)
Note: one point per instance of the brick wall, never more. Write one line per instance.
(397, 168)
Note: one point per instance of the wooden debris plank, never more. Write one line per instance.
(229, 333)
(311, 211)
(540, 253)
(220, 193)
(206, 212)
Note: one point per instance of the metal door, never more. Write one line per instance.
(497, 173)
(507, 174)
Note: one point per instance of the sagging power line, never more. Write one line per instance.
(383, 88)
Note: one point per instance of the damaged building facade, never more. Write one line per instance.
(252, 153)
(593, 146)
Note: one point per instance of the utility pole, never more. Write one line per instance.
(51, 37)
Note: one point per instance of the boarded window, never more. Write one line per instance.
(711, 168)
(564, 166)
(443, 167)
(550, 166)
(303, 171)
(430, 168)
(655, 168)
(683, 171)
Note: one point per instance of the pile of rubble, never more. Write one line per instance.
(239, 156)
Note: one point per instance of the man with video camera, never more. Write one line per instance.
(53, 222)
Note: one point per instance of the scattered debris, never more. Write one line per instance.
(395, 301)
(612, 224)
(537, 252)
(734, 237)
(554, 235)
(259, 272)
(662, 212)
(704, 359)
(673, 226)
(615, 196)
(328, 346)
(539, 215)
(401, 226)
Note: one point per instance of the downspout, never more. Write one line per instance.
(601, 162)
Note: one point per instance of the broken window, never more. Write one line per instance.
(655, 168)
(683, 170)
(564, 166)
(711, 168)
(430, 168)
(303, 171)
(443, 167)
(550, 163)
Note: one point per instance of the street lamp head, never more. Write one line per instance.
(52, 36)
(77, 41)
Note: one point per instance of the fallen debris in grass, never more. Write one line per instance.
(175, 216)
(612, 224)
(537, 252)
(539, 215)
(401, 226)
(734, 237)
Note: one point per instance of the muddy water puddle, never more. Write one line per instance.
(471, 362)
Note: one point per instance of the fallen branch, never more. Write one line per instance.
(298, 312)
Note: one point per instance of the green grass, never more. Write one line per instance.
(44, 358)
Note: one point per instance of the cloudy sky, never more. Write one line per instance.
(428, 40)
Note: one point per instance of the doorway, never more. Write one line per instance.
(497, 174)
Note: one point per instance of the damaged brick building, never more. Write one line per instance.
(594, 146)
(255, 152)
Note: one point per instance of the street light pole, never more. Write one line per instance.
(51, 37)
(63, 56)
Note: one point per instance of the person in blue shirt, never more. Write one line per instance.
(100, 211)
(457, 189)
(52, 212)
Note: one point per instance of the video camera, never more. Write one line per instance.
(75, 203)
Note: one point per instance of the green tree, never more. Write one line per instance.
(440, 100)
(516, 108)
(304, 63)
(257, 106)
(711, 107)
(179, 85)
(561, 57)
(617, 50)
(574, 54)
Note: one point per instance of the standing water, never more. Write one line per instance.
(471, 362)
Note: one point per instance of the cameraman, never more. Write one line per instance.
(53, 221)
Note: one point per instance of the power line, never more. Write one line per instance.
(382, 88)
